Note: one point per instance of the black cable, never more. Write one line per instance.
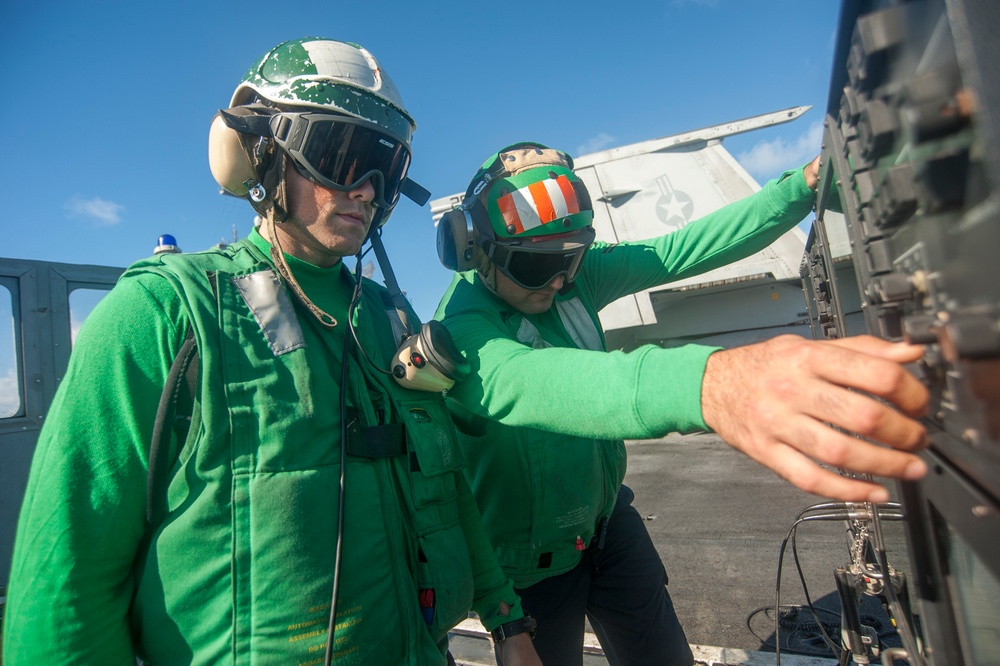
(787, 617)
(805, 589)
(350, 315)
(842, 515)
(792, 530)
(904, 630)
(332, 624)
(812, 609)
(845, 514)
(793, 617)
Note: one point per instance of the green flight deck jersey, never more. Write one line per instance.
(240, 568)
(543, 418)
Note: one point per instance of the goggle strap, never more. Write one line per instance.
(253, 124)
(490, 249)
(414, 191)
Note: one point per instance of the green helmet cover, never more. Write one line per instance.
(529, 190)
(326, 74)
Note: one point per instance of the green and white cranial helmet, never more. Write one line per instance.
(330, 76)
(532, 214)
(330, 108)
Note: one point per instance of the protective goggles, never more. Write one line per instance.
(341, 153)
(535, 267)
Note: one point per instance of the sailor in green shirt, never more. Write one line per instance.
(315, 510)
(546, 408)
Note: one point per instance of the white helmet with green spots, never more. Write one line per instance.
(331, 76)
(332, 110)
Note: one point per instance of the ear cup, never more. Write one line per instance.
(456, 240)
(227, 160)
(441, 352)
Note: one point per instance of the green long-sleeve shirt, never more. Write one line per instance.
(546, 407)
(240, 570)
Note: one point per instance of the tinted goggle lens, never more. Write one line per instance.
(342, 152)
(534, 270)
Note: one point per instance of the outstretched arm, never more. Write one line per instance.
(720, 238)
(811, 173)
(781, 402)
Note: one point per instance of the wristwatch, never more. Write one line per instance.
(514, 627)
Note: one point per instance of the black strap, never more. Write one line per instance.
(173, 417)
(379, 441)
(526, 624)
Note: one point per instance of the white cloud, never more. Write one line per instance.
(74, 327)
(768, 159)
(102, 211)
(594, 144)
(10, 401)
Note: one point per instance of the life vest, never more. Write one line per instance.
(238, 564)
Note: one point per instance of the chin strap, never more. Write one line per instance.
(278, 257)
(273, 209)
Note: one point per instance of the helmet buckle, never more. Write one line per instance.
(260, 149)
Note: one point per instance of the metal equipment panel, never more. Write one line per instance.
(911, 158)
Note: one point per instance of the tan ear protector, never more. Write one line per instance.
(456, 240)
(429, 360)
(242, 158)
(228, 160)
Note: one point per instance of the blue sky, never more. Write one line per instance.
(106, 105)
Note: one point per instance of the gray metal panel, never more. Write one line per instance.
(724, 315)
(42, 345)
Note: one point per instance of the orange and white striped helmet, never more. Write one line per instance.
(530, 190)
(532, 214)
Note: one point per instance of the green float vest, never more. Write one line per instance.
(239, 560)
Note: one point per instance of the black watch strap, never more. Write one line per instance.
(514, 627)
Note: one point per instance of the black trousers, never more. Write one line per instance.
(621, 589)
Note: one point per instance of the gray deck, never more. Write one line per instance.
(718, 519)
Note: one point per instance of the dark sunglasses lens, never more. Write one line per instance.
(344, 152)
(534, 270)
